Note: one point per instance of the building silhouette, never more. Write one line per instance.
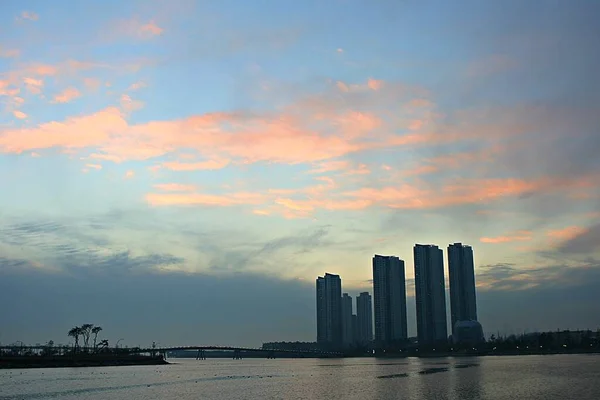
(461, 270)
(347, 327)
(430, 294)
(329, 310)
(389, 290)
(364, 318)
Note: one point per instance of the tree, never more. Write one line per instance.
(96, 330)
(75, 332)
(86, 329)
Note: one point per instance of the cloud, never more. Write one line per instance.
(340, 50)
(33, 85)
(138, 29)
(129, 174)
(519, 236)
(136, 86)
(175, 187)
(92, 83)
(67, 95)
(9, 53)
(28, 15)
(130, 105)
(189, 199)
(202, 165)
(19, 114)
(94, 166)
(586, 241)
(567, 233)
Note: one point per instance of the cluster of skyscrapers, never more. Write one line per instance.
(336, 323)
(338, 326)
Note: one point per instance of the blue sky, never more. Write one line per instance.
(275, 141)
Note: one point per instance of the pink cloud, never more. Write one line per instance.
(92, 83)
(374, 84)
(136, 86)
(19, 114)
(519, 236)
(28, 15)
(9, 53)
(67, 95)
(33, 85)
(138, 29)
(130, 105)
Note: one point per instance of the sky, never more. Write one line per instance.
(182, 171)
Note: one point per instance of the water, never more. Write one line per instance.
(528, 377)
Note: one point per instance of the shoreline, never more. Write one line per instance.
(77, 362)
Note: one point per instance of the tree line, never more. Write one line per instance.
(85, 332)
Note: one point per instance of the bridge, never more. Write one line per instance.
(237, 352)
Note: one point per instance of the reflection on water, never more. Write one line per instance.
(531, 377)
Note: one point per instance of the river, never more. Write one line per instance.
(503, 377)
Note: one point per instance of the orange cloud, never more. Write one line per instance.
(328, 166)
(67, 95)
(175, 187)
(519, 236)
(129, 174)
(94, 166)
(183, 199)
(566, 233)
(203, 165)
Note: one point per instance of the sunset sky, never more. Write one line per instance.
(168, 155)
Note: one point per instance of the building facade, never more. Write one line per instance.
(430, 291)
(329, 310)
(389, 290)
(461, 270)
(347, 327)
(364, 318)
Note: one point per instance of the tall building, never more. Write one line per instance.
(329, 310)
(430, 294)
(389, 289)
(347, 329)
(463, 304)
(364, 318)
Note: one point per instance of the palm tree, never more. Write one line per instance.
(74, 333)
(96, 330)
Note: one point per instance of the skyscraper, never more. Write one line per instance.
(389, 289)
(430, 294)
(329, 310)
(347, 329)
(463, 304)
(364, 318)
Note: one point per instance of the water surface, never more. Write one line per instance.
(524, 377)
